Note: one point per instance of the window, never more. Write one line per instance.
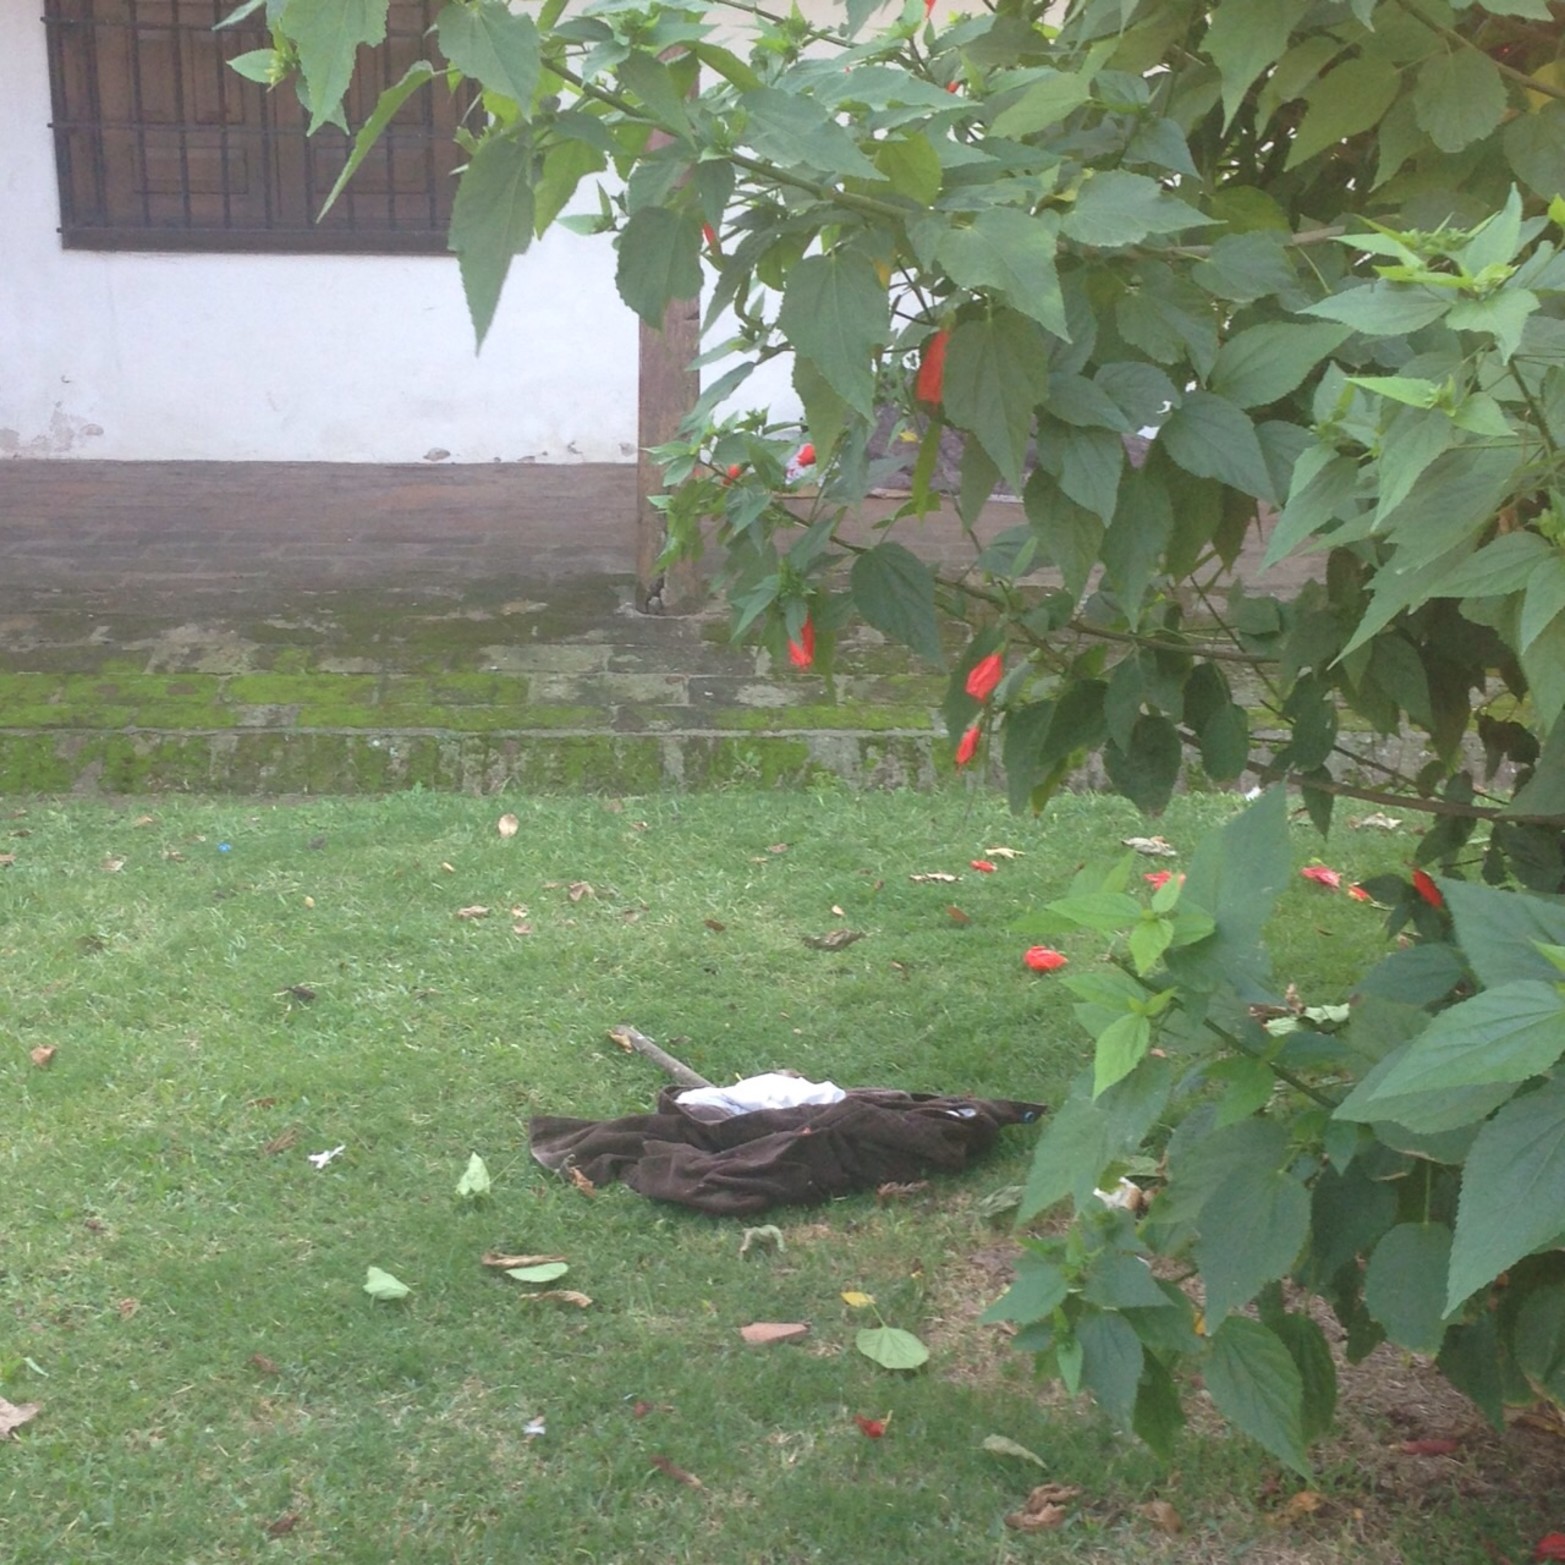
(160, 146)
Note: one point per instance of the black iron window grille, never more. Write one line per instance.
(160, 145)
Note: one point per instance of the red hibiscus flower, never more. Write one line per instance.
(801, 653)
(967, 746)
(983, 866)
(984, 676)
(875, 1428)
(1329, 878)
(1044, 959)
(804, 456)
(1428, 890)
(930, 380)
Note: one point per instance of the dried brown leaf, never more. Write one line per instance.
(764, 1333)
(715, 925)
(142, 820)
(450, 869)
(1002, 853)
(1052, 1494)
(283, 1525)
(1375, 821)
(263, 1365)
(505, 1262)
(303, 993)
(7, 860)
(1153, 847)
(1163, 1516)
(892, 1191)
(561, 1296)
(581, 1181)
(508, 825)
(957, 916)
(778, 847)
(112, 866)
(523, 928)
(1297, 1506)
(282, 1142)
(837, 912)
(832, 940)
(578, 889)
(43, 1056)
(677, 1473)
(13, 1416)
(936, 875)
(472, 912)
(127, 1307)
(1041, 1520)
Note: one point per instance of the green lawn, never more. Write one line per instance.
(230, 987)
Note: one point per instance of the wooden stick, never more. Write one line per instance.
(634, 1042)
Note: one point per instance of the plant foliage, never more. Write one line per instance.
(1176, 273)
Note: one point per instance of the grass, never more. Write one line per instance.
(180, 1290)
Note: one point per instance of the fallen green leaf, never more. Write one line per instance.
(1002, 1445)
(546, 1272)
(476, 1181)
(382, 1285)
(891, 1347)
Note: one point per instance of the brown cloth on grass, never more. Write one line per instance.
(745, 1163)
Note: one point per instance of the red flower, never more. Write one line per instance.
(1044, 959)
(734, 470)
(967, 745)
(1158, 878)
(801, 653)
(1329, 878)
(953, 86)
(983, 866)
(930, 380)
(875, 1428)
(929, 9)
(1430, 892)
(709, 234)
(1359, 894)
(1551, 1546)
(984, 676)
(805, 456)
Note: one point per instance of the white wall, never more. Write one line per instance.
(286, 358)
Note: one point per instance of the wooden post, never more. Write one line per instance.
(667, 389)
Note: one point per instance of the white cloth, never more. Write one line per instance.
(772, 1090)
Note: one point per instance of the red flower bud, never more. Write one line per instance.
(801, 653)
(733, 472)
(983, 866)
(1427, 889)
(1329, 878)
(929, 9)
(930, 380)
(967, 745)
(875, 1428)
(1044, 959)
(984, 676)
(805, 456)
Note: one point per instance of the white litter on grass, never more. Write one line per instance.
(534, 1427)
(321, 1159)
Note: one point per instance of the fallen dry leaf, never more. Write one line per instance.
(142, 820)
(472, 912)
(957, 916)
(1163, 1516)
(581, 1181)
(43, 1056)
(677, 1473)
(560, 1296)
(1002, 853)
(578, 889)
(281, 1143)
(1040, 1520)
(1297, 1506)
(837, 912)
(778, 847)
(937, 875)
(1429, 1447)
(506, 1262)
(303, 993)
(13, 1416)
(283, 1525)
(263, 1365)
(127, 1307)
(714, 925)
(764, 1333)
(832, 940)
(7, 860)
(892, 1191)
(112, 866)
(523, 928)
(450, 869)
(1375, 822)
(508, 825)
(1153, 847)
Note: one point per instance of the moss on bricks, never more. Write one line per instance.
(845, 717)
(347, 696)
(33, 763)
(592, 763)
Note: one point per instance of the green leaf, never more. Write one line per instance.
(1344, 103)
(1158, 1417)
(836, 315)
(1535, 149)
(1111, 1363)
(1460, 98)
(1513, 1191)
(1044, 103)
(912, 166)
(1503, 315)
(1251, 1231)
(1011, 253)
(475, 1181)
(328, 39)
(659, 261)
(1225, 743)
(1002, 1445)
(392, 99)
(891, 1347)
(1071, 1153)
(1243, 40)
(895, 592)
(382, 1286)
(1505, 1034)
(494, 45)
(1255, 1384)
(491, 221)
(995, 376)
(1404, 1284)
(1209, 436)
(794, 130)
(1310, 1351)
(543, 1271)
(1120, 1048)
(1038, 1289)
(1263, 364)
(1146, 769)
(1121, 1281)
(1115, 209)
(1540, 1341)
(1143, 521)
(1498, 931)
(259, 65)
(659, 88)
(1382, 309)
